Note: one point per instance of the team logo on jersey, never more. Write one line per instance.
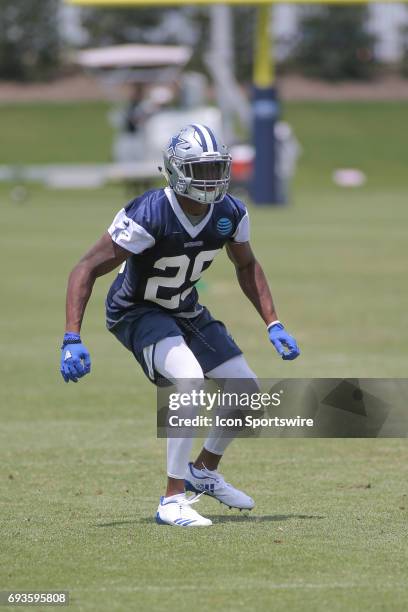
(224, 226)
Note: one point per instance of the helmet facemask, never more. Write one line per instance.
(197, 165)
(207, 181)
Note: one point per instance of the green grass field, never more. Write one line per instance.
(81, 468)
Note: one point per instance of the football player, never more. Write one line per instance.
(164, 240)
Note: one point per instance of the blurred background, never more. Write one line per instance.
(89, 95)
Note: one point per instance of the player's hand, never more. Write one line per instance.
(75, 358)
(283, 342)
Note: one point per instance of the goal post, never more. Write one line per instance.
(266, 187)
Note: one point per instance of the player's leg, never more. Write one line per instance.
(202, 475)
(156, 341)
(175, 361)
(217, 442)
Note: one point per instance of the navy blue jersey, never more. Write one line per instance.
(169, 253)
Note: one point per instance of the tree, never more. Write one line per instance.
(404, 49)
(110, 26)
(182, 26)
(244, 30)
(187, 25)
(335, 43)
(29, 39)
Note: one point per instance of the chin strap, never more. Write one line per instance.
(163, 172)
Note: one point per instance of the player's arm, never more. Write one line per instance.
(101, 259)
(253, 283)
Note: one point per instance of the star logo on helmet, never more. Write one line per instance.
(174, 142)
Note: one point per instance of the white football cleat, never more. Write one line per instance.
(213, 484)
(176, 510)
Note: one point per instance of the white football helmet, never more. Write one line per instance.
(197, 164)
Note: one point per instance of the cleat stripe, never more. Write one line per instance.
(191, 487)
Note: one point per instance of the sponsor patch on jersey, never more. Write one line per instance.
(224, 226)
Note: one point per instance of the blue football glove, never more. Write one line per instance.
(284, 344)
(75, 358)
